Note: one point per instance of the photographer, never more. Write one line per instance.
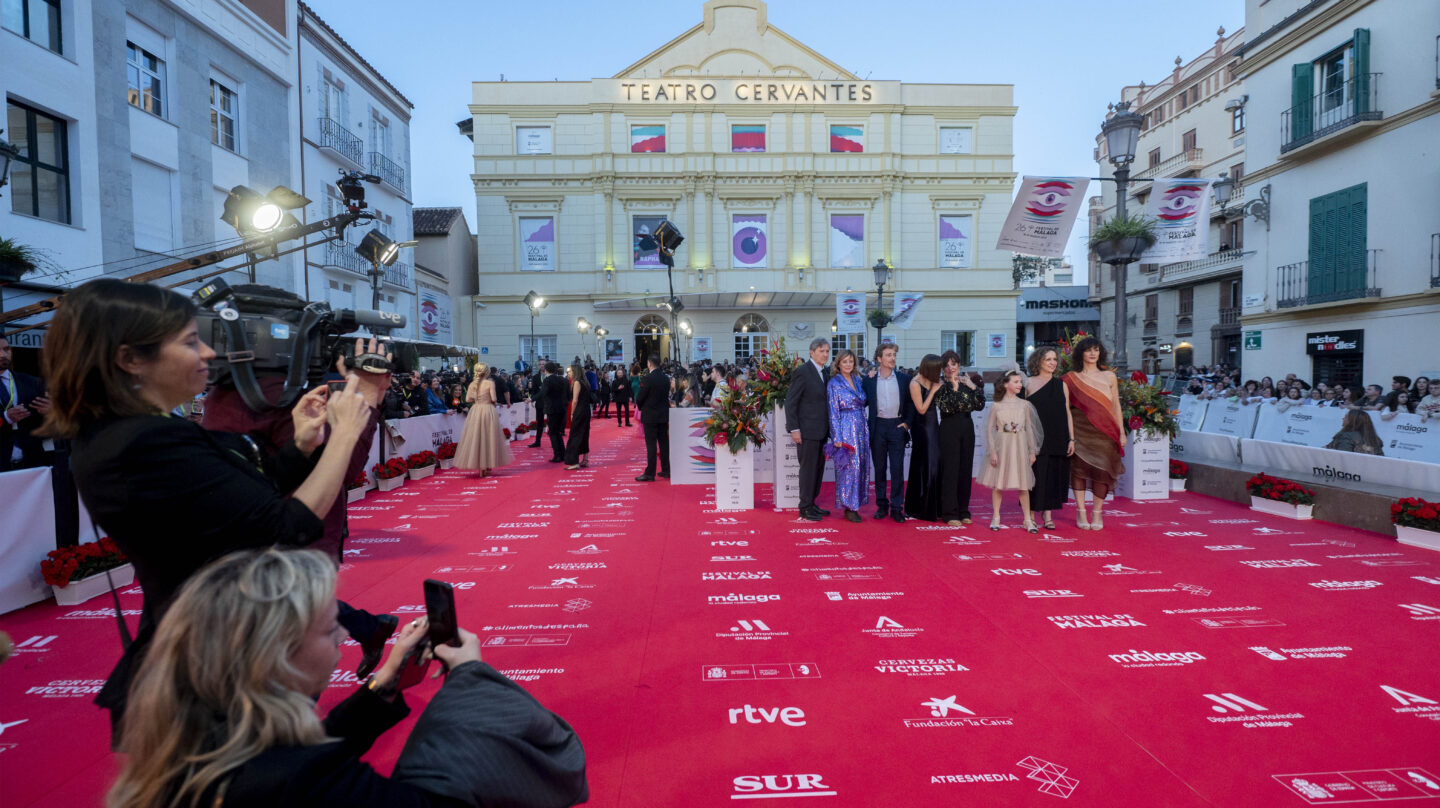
(120, 357)
(246, 734)
(413, 394)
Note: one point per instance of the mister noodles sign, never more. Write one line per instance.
(736, 91)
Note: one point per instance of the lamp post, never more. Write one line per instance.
(1224, 189)
(1122, 135)
(882, 274)
(535, 303)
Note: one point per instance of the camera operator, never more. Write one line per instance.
(392, 407)
(246, 733)
(413, 394)
(173, 495)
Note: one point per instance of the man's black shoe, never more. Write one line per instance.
(373, 647)
(532, 446)
(645, 478)
(882, 513)
(898, 516)
(811, 514)
(821, 511)
(665, 474)
(557, 460)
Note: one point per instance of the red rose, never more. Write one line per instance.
(1135, 422)
(720, 438)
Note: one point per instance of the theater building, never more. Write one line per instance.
(790, 177)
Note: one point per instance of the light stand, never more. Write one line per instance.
(535, 303)
(1122, 135)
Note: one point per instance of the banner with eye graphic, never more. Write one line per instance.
(1181, 210)
(1043, 215)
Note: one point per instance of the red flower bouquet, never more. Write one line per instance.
(1266, 487)
(1179, 470)
(446, 451)
(420, 460)
(361, 480)
(1417, 513)
(507, 433)
(390, 469)
(67, 564)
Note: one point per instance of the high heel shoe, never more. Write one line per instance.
(1081, 521)
(1099, 523)
(1030, 526)
(995, 522)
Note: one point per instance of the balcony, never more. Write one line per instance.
(387, 170)
(1297, 286)
(398, 274)
(1229, 315)
(338, 139)
(1338, 107)
(341, 255)
(1175, 164)
(1217, 263)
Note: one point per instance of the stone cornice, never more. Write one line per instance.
(1298, 35)
(638, 111)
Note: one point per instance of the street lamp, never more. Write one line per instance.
(1259, 208)
(882, 274)
(535, 303)
(1122, 135)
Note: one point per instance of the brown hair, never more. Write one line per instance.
(1032, 365)
(947, 356)
(854, 371)
(930, 366)
(90, 326)
(1002, 381)
(1077, 357)
(880, 349)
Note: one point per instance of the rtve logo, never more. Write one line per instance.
(1012, 571)
(789, 716)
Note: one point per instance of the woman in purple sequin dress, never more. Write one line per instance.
(849, 447)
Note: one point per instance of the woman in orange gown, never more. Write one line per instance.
(1099, 435)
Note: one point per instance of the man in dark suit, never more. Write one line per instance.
(537, 387)
(24, 404)
(807, 413)
(653, 401)
(556, 394)
(891, 408)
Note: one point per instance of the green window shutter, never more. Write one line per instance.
(1363, 101)
(1352, 276)
(1302, 89)
(1322, 245)
(1338, 224)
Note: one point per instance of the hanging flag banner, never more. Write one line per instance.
(700, 349)
(847, 240)
(849, 313)
(955, 241)
(749, 248)
(905, 305)
(1181, 210)
(435, 316)
(537, 234)
(615, 351)
(1043, 215)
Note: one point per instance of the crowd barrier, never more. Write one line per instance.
(410, 435)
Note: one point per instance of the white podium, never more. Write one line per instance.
(1147, 467)
(734, 479)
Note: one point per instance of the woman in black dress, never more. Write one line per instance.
(922, 490)
(1047, 392)
(582, 399)
(958, 397)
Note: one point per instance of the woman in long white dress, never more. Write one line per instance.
(482, 445)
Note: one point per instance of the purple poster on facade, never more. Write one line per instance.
(749, 246)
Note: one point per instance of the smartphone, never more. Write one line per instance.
(335, 388)
(440, 609)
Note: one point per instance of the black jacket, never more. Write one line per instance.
(556, 394)
(27, 389)
(418, 401)
(907, 405)
(620, 389)
(807, 407)
(654, 398)
(482, 741)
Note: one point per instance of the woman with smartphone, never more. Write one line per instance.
(236, 735)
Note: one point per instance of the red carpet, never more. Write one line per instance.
(1193, 653)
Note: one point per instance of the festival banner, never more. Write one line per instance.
(1328, 466)
(905, 305)
(435, 316)
(1181, 210)
(537, 243)
(955, 241)
(1404, 436)
(847, 240)
(746, 137)
(849, 313)
(692, 460)
(847, 138)
(615, 351)
(643, 226)
(700, 349)
(649, 139)
(1043, 215)
(749, 246)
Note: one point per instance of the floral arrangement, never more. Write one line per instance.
(446, 450)
(1067, 347)
(1142, 407)
(735, 422)
(1266, 487)
(390, 469)
(361, 480)
(522, 429)
(1179, 470)
(1417, 513)
(420, 460)
(67, 564)
(772, 379)
(507, 432)
(534, 424)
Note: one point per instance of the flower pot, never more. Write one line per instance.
(1120, 251)
(77, 592)
(1418, 537)
(355, 494)
(391, 483)
(1278, 508)
(447, 463)
(1177, 485)
(422, 472)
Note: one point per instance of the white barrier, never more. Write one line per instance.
(28, 536)
(734, 479)
(1404, 436)
(1327, 466)
(1233, 419)
(765, 455)
(692, 460)
(1192, 413)
(1202, 447)
(785, 464)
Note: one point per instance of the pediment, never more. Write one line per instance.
(735, 41)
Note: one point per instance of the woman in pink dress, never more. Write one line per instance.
(482, 445)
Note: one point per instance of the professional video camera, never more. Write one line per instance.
(258, 329)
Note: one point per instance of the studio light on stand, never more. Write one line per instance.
(252, 214)
(534, 303)
(380, 251)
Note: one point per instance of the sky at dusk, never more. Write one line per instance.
(1067, 59)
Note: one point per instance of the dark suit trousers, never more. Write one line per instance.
(539, 424)
(887, 448)
(657, 440)
(812, 470)
(557, 436)
(622, 413)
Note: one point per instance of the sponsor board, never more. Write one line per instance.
(1156, 659)
(748, 714)
(752, 629)
(1370, 785)
(588, 549)
(767, 786)
(748, 575)
(892, 629)
(1052, 778)
(739, 599)
(760, 672)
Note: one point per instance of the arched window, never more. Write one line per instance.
(651, 325)
(840, 342)
(752, 335)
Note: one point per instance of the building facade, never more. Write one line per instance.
(1188, 312)
(444, 273)
(1343, 281)
(789, 176)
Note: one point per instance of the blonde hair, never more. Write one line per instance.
(216, 687)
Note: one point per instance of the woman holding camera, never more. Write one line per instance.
(119, 358)
(224, 711)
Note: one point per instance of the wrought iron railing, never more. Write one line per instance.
(341, 255)
(1293, 283)
(387, 170)
(1223, 258)
(1229, 315)
(1332, 109)
(398, 274)
(338, 139)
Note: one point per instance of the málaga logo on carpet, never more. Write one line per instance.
(1283, 563)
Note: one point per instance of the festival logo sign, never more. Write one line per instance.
(745, 137)
(645, 254)
(537, 240)
(1181, 210)
(906, 304)
(849, 313)
(647, 139)
(955, 241)
(847, 241)
(1042, 215)
(847, 138)
(748, 242)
